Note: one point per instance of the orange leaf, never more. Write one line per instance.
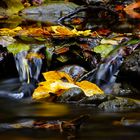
(55, 75)
(131, 10)
(89, 88)
(56, 82)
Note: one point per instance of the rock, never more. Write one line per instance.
(71, 95)
(119, 104)
(74, 71)
(125, 90)
(130, 71)
(49, 13)
(7, 61)
(96, 99)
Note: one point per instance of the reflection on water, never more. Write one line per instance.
(100, 126)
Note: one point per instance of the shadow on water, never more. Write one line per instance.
(100, 125)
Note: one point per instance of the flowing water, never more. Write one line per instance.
(13, 109)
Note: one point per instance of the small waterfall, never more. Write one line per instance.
(106, 74)
(29, 64)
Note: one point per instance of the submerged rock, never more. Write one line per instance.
(48, 13)
(119, 104)
(96, 99)
(71, 95)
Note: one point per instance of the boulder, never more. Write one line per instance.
(129, 74)
(119, 105)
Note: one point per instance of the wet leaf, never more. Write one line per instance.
(84, 33)
(63, 31)
(10, 32)
(55, 75)
(104, 50)
(133, 41)
(47, 87)
(89, 88)
(62, 58)
(131, 10)
(57, 82)
(18, 47)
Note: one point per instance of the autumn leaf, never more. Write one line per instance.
(77, 21)
(47, 87)
(103, 49)
(119, 7)
(10, 32)
(61, 30)
(131, 10)
(56, 82)
(101, 32)
(55, 75)
(84, 33)
(18, 47)
(89, 88)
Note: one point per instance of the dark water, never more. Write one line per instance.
(100, 126)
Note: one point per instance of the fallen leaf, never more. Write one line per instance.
(89, 88)
(103, 49)
(18, 47)
(55, 75)
(61, 30)
(56, 82)
(131, 10)
(10, 32)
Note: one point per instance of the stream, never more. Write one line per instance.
(29, 56)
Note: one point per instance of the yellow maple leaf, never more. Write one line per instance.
(55, 75)
(61, 30)
(56, 82)
(84, 33)
(89, 88)
(56, 87)
(10, 32)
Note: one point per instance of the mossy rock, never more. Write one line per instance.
(71, 95)
(96, 99)
(119, 105)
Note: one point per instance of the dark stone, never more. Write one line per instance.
(75, 71)
(129, 74)
(125, 90)
(119, 104)
(96, 99)
(71, 95)
(7, 64)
